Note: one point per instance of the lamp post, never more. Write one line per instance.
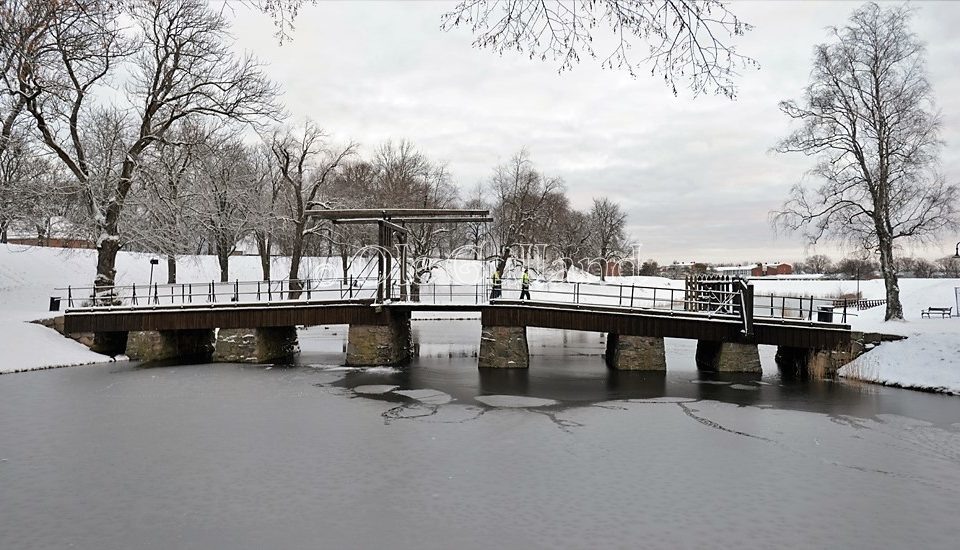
(153, 262)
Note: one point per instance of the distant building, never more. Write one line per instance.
(677, 270)
(769, 270)
(742, 271)
(52, 242)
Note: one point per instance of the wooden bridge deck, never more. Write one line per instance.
(595, 318)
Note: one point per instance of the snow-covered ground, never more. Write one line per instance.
(928, 359)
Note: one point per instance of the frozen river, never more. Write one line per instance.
(442, 455)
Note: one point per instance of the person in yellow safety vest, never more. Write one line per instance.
(495, 292)
(525, 285)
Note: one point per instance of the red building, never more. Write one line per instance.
(767, 270)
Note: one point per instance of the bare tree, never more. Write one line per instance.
(266, 203)
(306, 164)
(607, 231)
(818, 263)
(868, 116)
(685, 39)
(225, 181)
(950, 266)
(520, 195)
(474, 233)
(571, 237)
(180, 65)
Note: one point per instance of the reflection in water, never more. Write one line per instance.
(567, 367)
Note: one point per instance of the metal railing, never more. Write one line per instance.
(739, 303)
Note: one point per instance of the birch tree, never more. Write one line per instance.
(868, 117)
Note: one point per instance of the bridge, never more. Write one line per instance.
(255, 321)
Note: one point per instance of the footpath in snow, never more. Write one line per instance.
(929, 359)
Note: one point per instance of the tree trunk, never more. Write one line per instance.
(106, 269)
(345, 266)
(414, 291)
(567, 264)
(603, 264)
(263, 249)
(223, 256)
(3, 233)
(890, 281)
(171, 269)
(295, 285)
(502, 262)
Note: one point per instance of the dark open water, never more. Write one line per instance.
(442, 455)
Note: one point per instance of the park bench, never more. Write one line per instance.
(941, 311)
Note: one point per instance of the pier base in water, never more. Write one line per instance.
(163, 345)
(387, 344)
(727, 357)
(260, 345)
(635, 353)
(503, 348)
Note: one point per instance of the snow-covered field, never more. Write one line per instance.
(928, 359)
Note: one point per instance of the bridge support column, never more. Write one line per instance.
(261, 345)
(817, 364)
(151, 345)
(503, 348)
(387, 344)
(109, 343)
(727, 357)
(635, 353)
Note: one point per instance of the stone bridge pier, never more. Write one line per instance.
(163, 345)
(817, 363)
(387, 343)
(728, 357)
(503, 348)
(261, 345)
(635, 353)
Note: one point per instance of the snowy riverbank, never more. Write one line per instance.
(929, 359)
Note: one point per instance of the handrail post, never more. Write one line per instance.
(746, 308)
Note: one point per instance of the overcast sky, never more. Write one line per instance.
(695, 175)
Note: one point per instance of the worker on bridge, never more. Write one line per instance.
(525, 285)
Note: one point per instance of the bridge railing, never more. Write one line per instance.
(733, 303)
(213, 292)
